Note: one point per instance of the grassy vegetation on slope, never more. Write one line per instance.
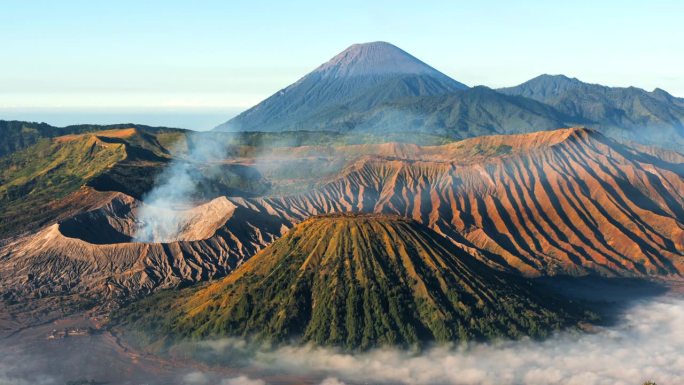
(33, 178)
(18, 135)
(33, 181)
(41, 164)
(356, 282)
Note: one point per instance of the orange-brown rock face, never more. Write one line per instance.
(561, 202)
(566, 201)
(90, 259)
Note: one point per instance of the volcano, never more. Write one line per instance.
(360, 77)
(359, 281)
(377, 88)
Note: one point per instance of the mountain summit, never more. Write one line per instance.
(377, 59)
(359, 78)
(545, 87)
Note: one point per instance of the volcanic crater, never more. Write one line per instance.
(118, 222)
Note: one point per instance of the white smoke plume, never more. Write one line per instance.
(162, 216)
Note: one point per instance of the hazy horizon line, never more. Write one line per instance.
(190, 118)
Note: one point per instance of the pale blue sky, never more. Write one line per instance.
(227, 55)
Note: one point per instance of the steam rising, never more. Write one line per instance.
(200, 171)
(162, 217)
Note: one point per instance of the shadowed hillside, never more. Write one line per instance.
(377, 88)
(17, 135)
(36, 181)
(627, 113)
(458, 115)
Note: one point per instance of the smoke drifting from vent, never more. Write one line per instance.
(202, 171)
(162, 217)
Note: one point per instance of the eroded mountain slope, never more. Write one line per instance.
(567, 201)
(560, 202)
(88, 259)
(357, 281)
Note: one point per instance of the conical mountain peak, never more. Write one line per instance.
(359, 78)
(376, 58)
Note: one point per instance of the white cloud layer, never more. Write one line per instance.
(242, 380)
(648, 344)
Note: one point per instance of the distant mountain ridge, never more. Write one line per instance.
(379, 88)
(461, 114)
(18, 135)
(623, 112)
(351, 79)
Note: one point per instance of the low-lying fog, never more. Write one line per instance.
(646, 344)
